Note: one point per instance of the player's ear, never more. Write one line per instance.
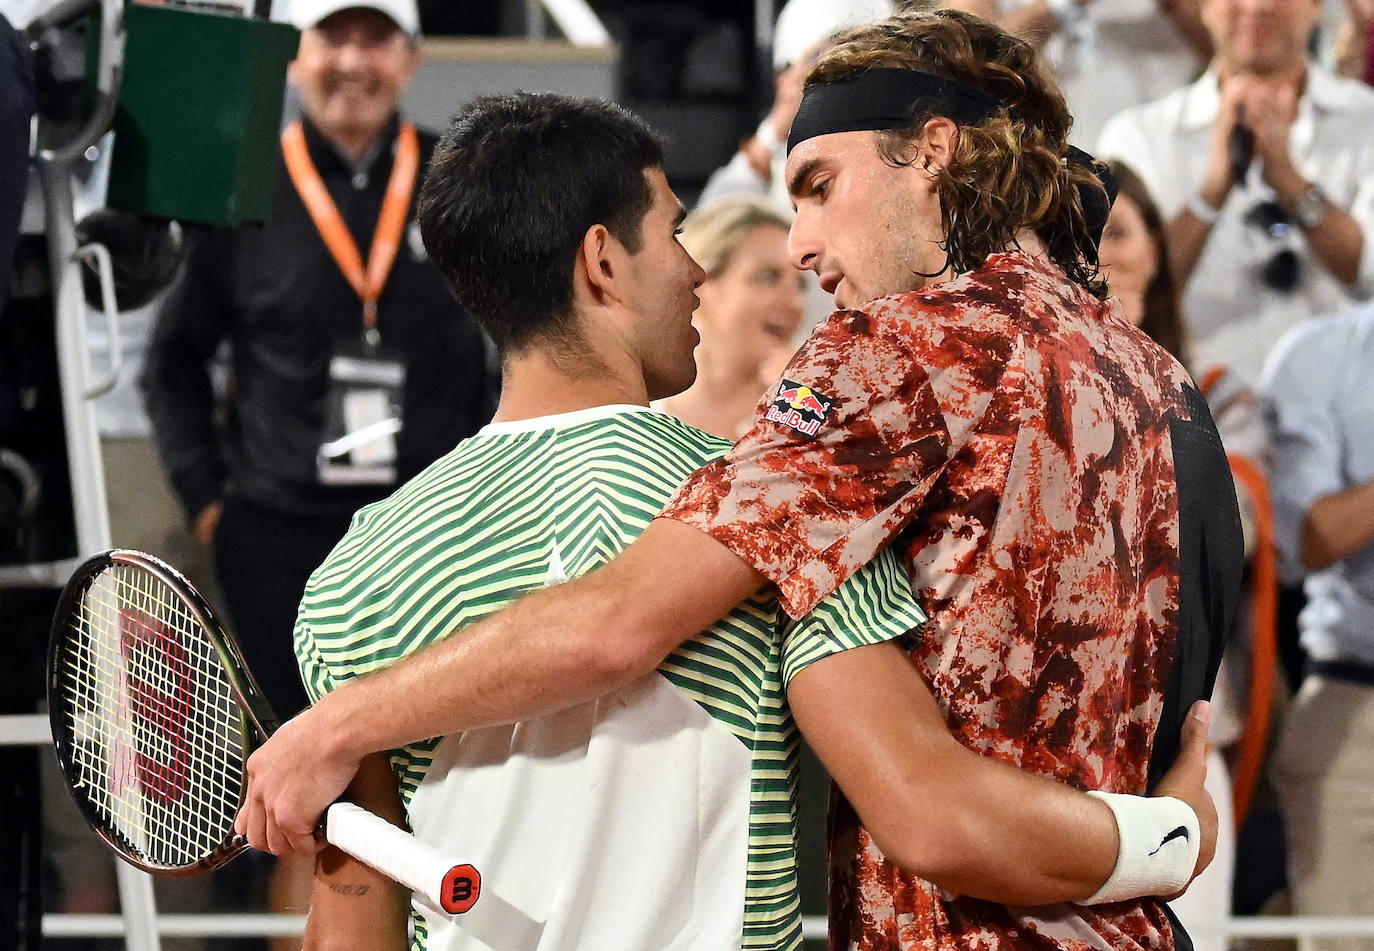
(939, 139)
(597, 268)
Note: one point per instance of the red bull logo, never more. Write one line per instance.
(798, 407)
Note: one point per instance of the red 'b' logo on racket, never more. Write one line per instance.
(161, 686)
(461, 889)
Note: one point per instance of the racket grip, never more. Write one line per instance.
(452, 886)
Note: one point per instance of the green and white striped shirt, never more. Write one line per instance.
(661, 816)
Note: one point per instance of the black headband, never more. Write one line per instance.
(879, 100)
(1097, 205)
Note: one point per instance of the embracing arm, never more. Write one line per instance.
(352, 906)
(965, 822)
(548, 651)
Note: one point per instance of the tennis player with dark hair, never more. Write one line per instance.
(569, 814)
(661, 813)
(1050, 477)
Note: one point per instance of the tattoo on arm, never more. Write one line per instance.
(349, 889)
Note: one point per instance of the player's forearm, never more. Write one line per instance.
(550, 650)
(352, 909)
(963, 821)
(352, 906)
(1014, 837)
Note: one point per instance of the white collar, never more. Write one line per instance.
(564, 420)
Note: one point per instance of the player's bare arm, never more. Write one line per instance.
(591, 635)
(352, 906)
(987, 829)
(547, 652)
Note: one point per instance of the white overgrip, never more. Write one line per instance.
(446, 884)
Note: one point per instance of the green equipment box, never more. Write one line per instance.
(197, 131)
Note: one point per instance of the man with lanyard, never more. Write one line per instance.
(351, 367)
(1051, 477)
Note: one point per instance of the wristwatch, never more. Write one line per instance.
(1311, 207)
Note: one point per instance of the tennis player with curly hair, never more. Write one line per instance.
(1049, 476)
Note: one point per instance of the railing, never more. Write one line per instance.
(34, 731)
(251, 925)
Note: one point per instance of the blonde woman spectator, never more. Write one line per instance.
(751, 308)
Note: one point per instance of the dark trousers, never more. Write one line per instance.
(263, 559)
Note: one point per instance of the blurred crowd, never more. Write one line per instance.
(1241, 135)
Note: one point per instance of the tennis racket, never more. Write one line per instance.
(154, 715)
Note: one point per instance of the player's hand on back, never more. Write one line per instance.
(1186, 777)
(292, 779)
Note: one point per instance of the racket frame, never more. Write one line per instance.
(257, 719)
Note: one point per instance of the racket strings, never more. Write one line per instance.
(158, 742)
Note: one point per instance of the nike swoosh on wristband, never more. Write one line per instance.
(1180, 833)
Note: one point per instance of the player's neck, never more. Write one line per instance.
(1028, 242)
(539, 383)
(723, 396)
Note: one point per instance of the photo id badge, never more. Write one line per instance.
(362, 421)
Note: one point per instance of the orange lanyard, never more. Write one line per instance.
(386, 240)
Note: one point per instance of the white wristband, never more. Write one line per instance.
(1202, 211)
(1159, 840)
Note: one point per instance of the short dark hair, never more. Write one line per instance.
(511, 190)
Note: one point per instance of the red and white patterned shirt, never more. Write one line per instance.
(1017, 439)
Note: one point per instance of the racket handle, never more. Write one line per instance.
(452, 886)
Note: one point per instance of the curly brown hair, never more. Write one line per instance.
(1008, 171)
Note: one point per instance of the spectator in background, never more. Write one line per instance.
(1261, 171)
(802, 28)
(751, 308)
(1321, 402)
(275, 503)
(1134, 257)
(1107, 54)
(338, 328)
(1354, 37)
